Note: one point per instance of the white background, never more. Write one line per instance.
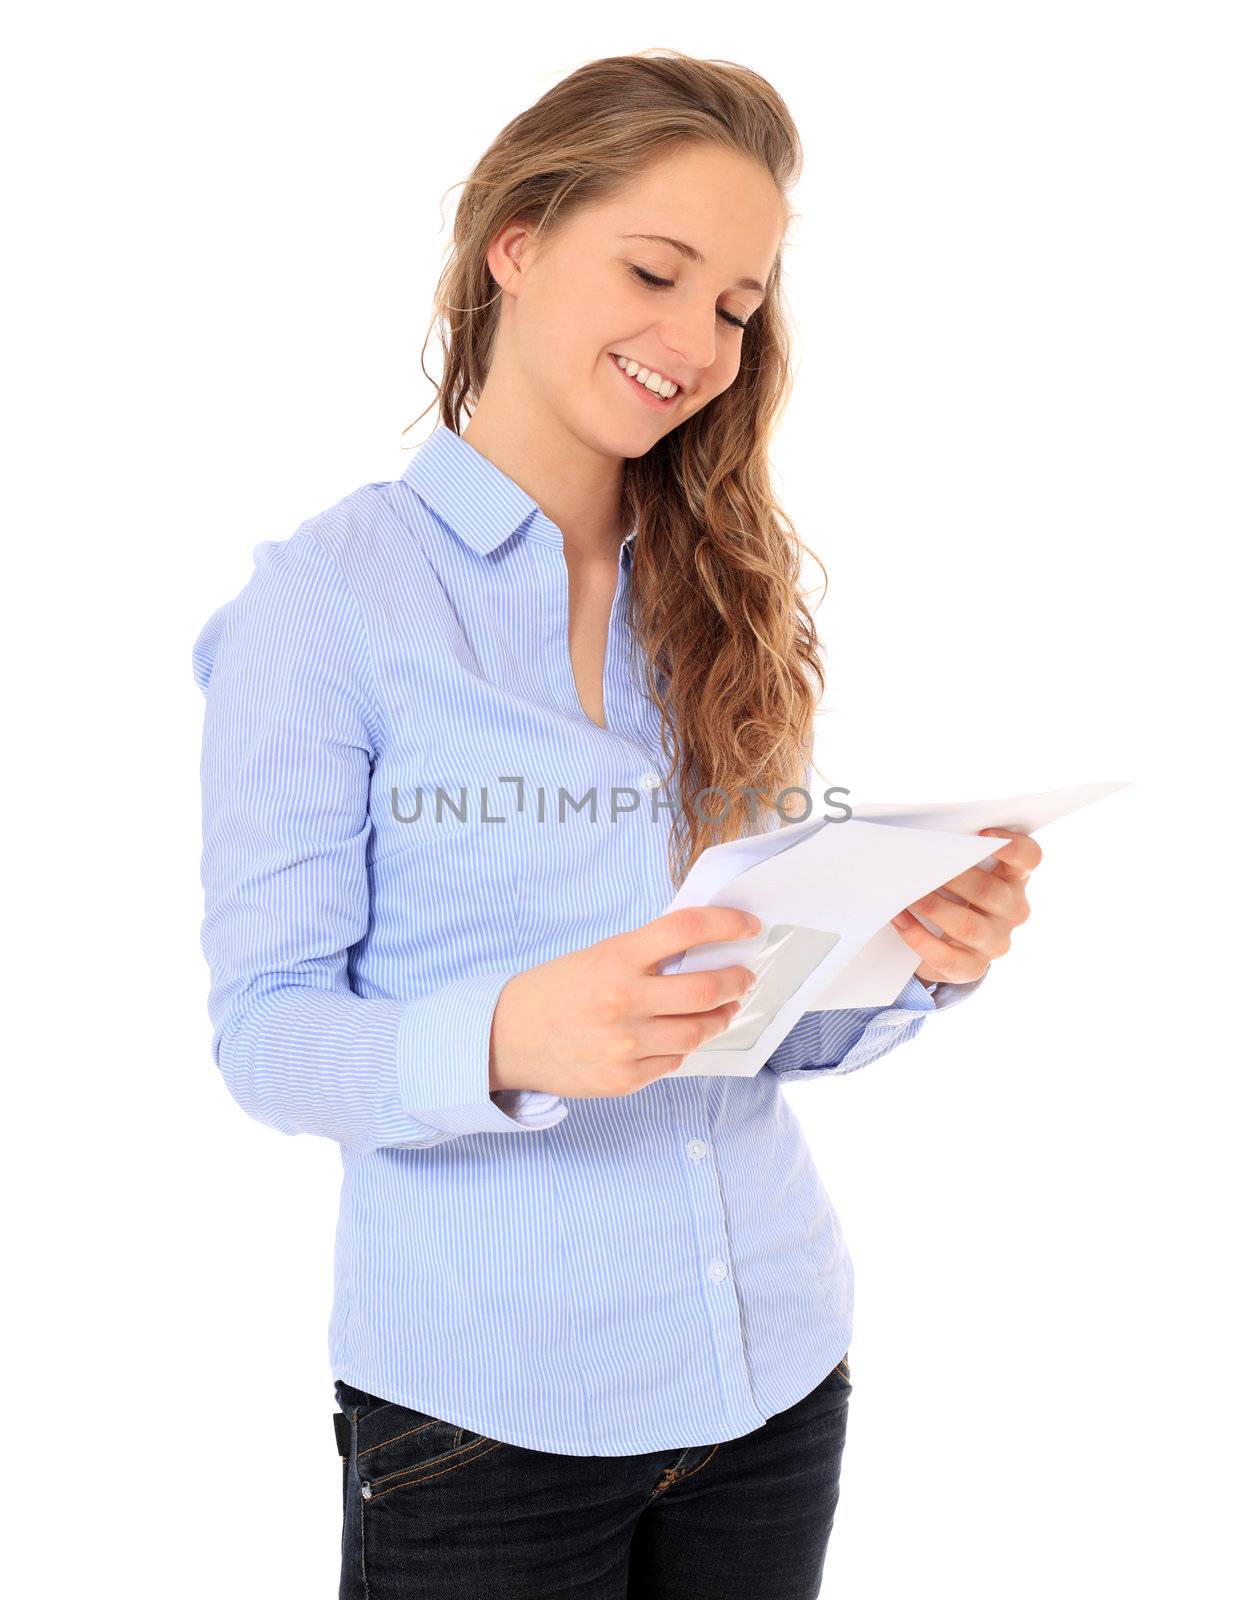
(1010, 442)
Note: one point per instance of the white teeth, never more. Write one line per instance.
(650, 380)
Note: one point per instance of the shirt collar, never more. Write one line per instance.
(475, 498)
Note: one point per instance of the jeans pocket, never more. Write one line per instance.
(841, 1372)
(397, 1447)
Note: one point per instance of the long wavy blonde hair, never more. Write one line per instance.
(730, 646)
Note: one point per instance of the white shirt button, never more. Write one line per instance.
(650, 780)
(717, 1270)
(697, 1148)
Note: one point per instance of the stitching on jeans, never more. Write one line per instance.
(680, 1475)
(480, 1439)
(673, 1475)
(426, 1477)
(364, 1575)
(394, 1439)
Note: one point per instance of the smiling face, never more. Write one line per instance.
(610, 283)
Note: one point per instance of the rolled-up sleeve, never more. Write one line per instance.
(444, 1063)
(291, 729)
(829, 1043)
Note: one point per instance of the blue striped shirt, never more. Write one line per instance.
(391, 719)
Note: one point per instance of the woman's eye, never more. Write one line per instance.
(647, 277)
(654, 282)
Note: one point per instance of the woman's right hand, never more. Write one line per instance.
(603, 1020)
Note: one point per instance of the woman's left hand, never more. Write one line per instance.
(979, 929)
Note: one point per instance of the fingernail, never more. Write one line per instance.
(754, 923)
(903, 919)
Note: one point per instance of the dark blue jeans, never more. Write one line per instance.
(430, 1509)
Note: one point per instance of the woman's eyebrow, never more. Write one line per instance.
(692, 254)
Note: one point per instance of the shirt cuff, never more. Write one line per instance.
(443, 1063)
(838, 1040)
(894, 1025)
(533, 1107)
(951, 994)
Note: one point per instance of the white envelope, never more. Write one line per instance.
(824, 890)
(881, 970)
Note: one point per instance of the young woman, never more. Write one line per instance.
(591, 1317)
